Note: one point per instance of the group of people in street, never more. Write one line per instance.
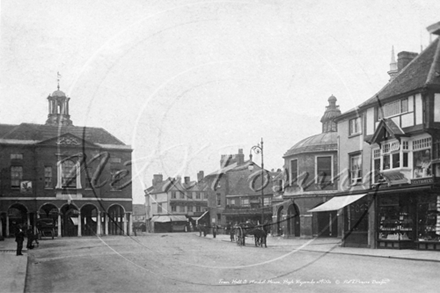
(20, 236)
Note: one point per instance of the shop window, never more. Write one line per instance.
(422, 163)
(355, 126)
(356, 168)
(324, 170)
(47, 177)
(16, 176)
(395, 218)
(428, 213)
(245, 202)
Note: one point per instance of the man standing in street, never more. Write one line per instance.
(19, 238)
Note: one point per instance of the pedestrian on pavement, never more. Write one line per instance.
(19, 238)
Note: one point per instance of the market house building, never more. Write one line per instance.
(310, 179)
(79, 177)
(390, 153)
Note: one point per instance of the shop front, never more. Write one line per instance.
(409, 219)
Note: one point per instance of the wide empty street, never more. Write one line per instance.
(185, 262)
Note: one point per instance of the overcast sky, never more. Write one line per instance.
(183, 82)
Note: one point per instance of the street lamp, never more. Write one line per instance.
(259, 149)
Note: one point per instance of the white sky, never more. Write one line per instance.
(183, 82)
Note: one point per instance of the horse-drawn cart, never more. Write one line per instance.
(45, 228)
(241, 231)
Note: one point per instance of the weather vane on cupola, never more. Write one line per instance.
(58, 79)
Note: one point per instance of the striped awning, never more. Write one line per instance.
(337, 203)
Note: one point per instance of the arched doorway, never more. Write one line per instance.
(69, 220)
(17, 214)
(49, 211)
(279, 219)
(293, 221)
(89, 220)
(116, 220)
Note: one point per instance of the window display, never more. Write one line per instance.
(429, 218)
(396, 224)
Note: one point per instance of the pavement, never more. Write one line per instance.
(13, 268)
(333, 245)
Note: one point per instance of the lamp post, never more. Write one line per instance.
(259, 149)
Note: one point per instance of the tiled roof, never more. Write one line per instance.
(423, 71)
(316, 143)
(42, 132)
(229, 168)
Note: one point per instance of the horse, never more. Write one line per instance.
(259, 233)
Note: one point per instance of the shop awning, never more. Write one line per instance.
(337, 203)
(74, 220)
(197, 219)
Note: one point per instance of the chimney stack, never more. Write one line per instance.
(157, 178)
(200, 176)
(240, 157)
(186, 178)
(404, 58)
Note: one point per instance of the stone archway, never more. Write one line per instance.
(279, 226)
(89, 220)
(69, 220)
(293, 221)
(17, 215)
(116, 220)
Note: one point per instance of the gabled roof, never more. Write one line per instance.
(386, 129)
(422, 71)
(42, 132)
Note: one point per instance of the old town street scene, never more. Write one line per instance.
(181, 146)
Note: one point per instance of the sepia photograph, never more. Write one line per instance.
(219, 146)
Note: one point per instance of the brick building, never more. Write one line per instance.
(78, 177)
(174, 206)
